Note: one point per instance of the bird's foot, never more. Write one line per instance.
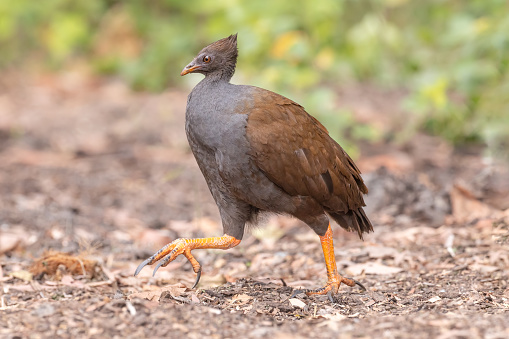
(184, 246)
(330, 288)
(169, 253)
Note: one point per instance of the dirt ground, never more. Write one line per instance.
(94, 178)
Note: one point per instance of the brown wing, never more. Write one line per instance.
(295, 152)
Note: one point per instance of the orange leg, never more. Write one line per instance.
(184, 246)
(333, 277)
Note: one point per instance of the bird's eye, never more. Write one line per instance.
(206, 58)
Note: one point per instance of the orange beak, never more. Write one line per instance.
(188, 70)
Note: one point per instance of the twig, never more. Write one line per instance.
(100, 283)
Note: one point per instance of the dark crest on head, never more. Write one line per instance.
(227, 47)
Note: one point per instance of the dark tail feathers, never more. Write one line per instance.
(353, 220)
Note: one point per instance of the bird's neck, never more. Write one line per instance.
(223, 75)
(211, 83)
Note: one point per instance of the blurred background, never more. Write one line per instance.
(442, 64)
(92, 104)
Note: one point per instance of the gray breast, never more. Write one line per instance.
(216, 117)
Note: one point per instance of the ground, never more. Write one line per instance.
(94, 178)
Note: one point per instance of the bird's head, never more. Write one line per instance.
(218, 58)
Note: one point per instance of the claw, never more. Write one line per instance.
(296, 293)
(159, 264)
(359, 284)
(329, 295)
(198, 276)
(140, 267)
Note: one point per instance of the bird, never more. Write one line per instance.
(260, 153)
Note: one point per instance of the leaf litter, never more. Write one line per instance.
(436, 266)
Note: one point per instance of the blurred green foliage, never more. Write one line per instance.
(451, 56)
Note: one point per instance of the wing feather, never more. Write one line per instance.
(295, 151)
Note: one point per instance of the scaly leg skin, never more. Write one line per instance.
(333, 277)
(184, 246)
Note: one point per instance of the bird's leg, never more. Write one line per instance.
(184, 246)
(333, 277)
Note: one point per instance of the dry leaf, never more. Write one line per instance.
(335, 316)
(156, 292)
(23, 288)
(240, 299)
(372, 268)
(67, 280)
(9, 242)
(396, 162)
(434, 299)
(94, 307)
(194, 298)
(379, 252)
(15, 238)
(175, 290)
(150, 295)
(23, 275)
(483, 268)
(369, 303)
(466, 208)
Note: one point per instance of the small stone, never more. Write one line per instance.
(297, 303)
